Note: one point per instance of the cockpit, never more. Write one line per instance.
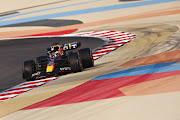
(55, 51)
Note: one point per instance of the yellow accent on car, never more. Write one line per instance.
(50, 68)
(56, 46)
(69, 45)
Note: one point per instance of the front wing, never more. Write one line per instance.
(56, 72)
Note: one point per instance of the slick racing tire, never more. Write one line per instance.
(41, 62)
(75, 62)
(86, 57)
(28, 69)
(42, 59)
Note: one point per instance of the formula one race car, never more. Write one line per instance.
(60, 59)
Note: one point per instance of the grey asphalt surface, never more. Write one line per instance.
(14, 52)
(47, 22)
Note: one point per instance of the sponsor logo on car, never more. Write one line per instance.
(65, 68)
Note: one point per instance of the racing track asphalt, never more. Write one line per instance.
(15, 52)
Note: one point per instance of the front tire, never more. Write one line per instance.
(75, 62)
(41, 63)
(28, 69)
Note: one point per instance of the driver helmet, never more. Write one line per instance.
(55, 51)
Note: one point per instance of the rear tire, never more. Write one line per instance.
(75, 62)
(28, 69)
(86, 57)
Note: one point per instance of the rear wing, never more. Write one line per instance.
(72, 46)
